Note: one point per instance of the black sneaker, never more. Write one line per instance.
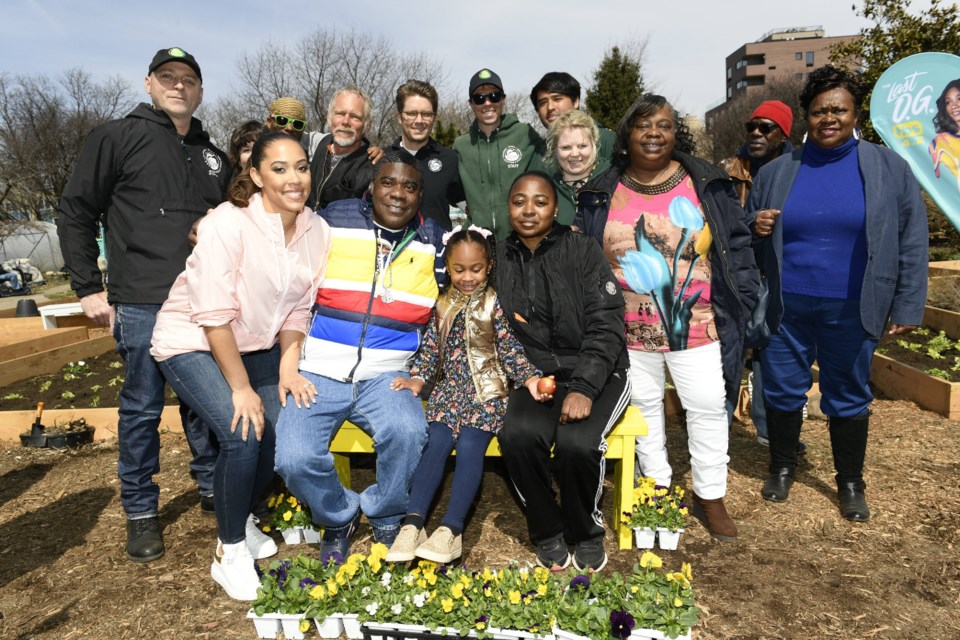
(207, 505)
(385, 535)
(144, 540)
(589, 555)
(335, 543)
(552, 554)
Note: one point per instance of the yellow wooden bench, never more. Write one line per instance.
(621, 443)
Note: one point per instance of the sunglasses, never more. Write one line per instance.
(494, 97)
(765, 127)
(283, 121)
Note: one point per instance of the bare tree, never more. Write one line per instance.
(42, 126)
(725, 134)
(313, 68)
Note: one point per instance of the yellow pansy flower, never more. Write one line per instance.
(514, 597)
(287, 515)
(447, 605)
(292, 501)
(304, 626)
(318, 592)
(456, 590)
(650, 560)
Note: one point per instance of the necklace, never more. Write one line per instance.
(657, 188)
(384, 266)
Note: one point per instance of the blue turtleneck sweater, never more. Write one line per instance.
(824, 225)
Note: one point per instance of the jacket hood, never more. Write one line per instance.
(506, 122)
(513, 240)
(144, 111)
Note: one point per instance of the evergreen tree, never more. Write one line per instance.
(445, 134)
(896, 34)
(617, 83)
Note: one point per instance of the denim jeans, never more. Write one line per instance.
(141, 403)
(394, 420)
(244, 469)
(828, 330)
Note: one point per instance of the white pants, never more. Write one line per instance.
(698, 376)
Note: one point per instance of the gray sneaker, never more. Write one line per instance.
(552, 554)
(590, 555)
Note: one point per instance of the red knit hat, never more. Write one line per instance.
(776, 111)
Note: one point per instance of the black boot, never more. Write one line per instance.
(144, 540)
(848, 437)
(783, 427)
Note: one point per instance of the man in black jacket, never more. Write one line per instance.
(340, 168)
(150, 176)
(417, 112)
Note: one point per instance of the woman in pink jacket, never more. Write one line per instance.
(228, 337)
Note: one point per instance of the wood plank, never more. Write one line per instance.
(19, 323)
(942, 320)
(899, 381)
(53, 360)
(13, 423)
(944, 268)
(50, 339)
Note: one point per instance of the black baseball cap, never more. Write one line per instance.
(482, 77)
(174, 54)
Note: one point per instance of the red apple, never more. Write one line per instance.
(547, 386)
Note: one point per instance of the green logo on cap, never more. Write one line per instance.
(484, 74)
(177, 52)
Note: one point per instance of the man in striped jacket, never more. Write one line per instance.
(375, 300)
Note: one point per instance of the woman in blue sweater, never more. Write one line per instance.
(842, 240)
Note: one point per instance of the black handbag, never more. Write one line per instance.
(758, 332)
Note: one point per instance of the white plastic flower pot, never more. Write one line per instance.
(311, 535)
(668, 540)
(267, 625)
(351, 626)
(647, 634)
(291, 535)
(291, 626)
(644, 537)
(329, 627)
(567, 635)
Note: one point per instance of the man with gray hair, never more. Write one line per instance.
(340, 168)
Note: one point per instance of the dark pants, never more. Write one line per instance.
(141, 403)
(471, 447)
(530, 430)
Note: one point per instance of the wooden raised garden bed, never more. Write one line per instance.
(901, 381)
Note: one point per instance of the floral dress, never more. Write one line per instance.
(454, 400)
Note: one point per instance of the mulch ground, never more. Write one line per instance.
(798, 570)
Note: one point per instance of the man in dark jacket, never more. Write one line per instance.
(416, 112)
(768, 137)
(340, 167)
(150, 175)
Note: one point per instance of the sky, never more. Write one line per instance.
(519, 39)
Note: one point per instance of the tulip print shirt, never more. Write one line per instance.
(667, 295)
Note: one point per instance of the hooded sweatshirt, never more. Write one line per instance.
(490, 164)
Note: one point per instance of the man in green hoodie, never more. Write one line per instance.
(496, 150)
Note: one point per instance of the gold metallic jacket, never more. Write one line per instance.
(488, 376)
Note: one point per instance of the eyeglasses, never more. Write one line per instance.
(765, 127)
(283, 121)
(494, 97)
(411, 116)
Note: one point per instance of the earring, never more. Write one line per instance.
(804, 139)
(856, 133)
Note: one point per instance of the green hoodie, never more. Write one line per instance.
(488, 166)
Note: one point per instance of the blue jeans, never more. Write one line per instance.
(243, 469)
(395, 422)
(471, 447)
(141, 403)
(829, 331)
(12, 278)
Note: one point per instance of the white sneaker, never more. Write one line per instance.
(260, 544)
(233, 569)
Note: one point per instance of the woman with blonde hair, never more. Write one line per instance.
(572, 143)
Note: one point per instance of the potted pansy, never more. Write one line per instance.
(662, 604)
(355, 582)
(658, 513)
(585, 610)
(521, 601)
(283, 597)
(292, 519)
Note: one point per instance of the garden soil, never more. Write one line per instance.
(797, 570)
